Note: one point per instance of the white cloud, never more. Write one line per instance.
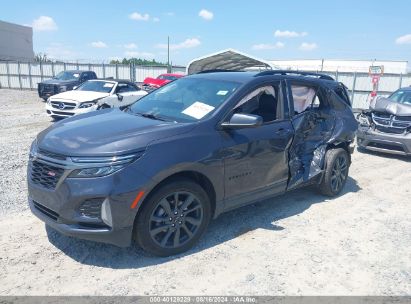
(289, 34)
(44, 23)
(58, 51)
(264, 46)
(308, 46)
(156, 19)
(206, 15)
(146, 55)
(186, 44)
(98, 44)
(130, 46)
(139, 17)
(406, 39)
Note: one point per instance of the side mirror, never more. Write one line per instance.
(239, 121)
(120, 97)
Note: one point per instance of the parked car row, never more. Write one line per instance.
(77, 92)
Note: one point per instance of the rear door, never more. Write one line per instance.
(313, 119)
(256, 159)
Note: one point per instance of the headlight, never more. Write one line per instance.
(63, 88)
(363, 120)
(102, 166)
(96, 172)
(88, 104)
(33, 150)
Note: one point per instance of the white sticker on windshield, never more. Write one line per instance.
(198, 110)
(222, 93)
(76, 75)
(108, 85)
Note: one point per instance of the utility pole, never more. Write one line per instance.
(168, 55)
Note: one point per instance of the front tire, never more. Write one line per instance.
(336, 172)
(173, 218)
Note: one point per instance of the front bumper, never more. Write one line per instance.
(369, 139)
(64, 113)
(61, 207)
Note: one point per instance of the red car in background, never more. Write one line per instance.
(150, 84)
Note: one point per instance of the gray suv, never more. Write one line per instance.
(386, 126)
(161, 169)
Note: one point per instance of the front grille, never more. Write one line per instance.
(390, 130)
(91, 208)
(45, 175)
(46, 211)
(393, 124)
(386, 146)
(52, 154)
(62, 113)
(63, 105)
(48, 89)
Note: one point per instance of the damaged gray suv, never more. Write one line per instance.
(386, 125)
(160, 170)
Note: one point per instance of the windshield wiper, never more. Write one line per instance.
(151, 116)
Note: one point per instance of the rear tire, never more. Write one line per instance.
(336, 172)
(164, 227)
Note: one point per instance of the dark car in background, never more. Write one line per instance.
(160, 170)
(63, 81)
(386, 125)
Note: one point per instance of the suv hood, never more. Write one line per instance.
(106, 132)
(79, 96)
(387, 105)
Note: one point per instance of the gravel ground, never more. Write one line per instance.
(297, 244)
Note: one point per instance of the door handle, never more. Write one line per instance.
(282, 132)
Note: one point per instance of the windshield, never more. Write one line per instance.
(96, 86)
(186, 99)
(402, 96)
(67, 76)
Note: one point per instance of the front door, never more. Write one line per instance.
(256, 159)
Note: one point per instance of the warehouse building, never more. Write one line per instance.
(16, 42)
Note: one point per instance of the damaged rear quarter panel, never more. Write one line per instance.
(316, 129)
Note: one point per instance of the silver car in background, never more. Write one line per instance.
(386, 126)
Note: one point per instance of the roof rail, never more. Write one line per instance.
(216, 71)
(291, 72)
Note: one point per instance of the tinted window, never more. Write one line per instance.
(96, 86)
(125, 87)
(67, 76)
(186, 99)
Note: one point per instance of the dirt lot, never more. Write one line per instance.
(298, 244)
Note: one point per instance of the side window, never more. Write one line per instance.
(305, 98)
(125, 87)
(264, 101)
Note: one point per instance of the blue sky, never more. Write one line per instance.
(95, 30)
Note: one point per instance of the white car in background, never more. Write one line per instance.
(93, 95)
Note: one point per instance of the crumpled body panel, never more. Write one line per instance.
(316, 130)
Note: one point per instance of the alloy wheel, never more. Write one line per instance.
(339, 173)
(175, 219)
